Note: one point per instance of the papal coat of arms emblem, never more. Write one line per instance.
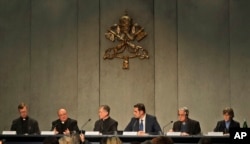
(127, 34)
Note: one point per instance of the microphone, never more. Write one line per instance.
(163, 128)
(85, 124)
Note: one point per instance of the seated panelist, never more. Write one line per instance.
(105, 124)
(142, 122)
(227, 122)
(24, 124)
(185, 125)
(64, 124)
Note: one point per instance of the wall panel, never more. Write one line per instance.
(119, 88)
(14, 58)
(53, 59)
(166, 96)
(203, 59)
(88, 62)
(240, 59)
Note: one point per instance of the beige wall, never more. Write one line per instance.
(51, 56)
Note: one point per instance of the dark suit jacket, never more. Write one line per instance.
(221, 126)
(107, 126)
(193, 127)
(71, 124)
(32, 126)
(151, 125)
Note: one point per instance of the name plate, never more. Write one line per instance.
(9, 132)
(215, 133)
(173, 133)
(92, 133)
(47, 133)
(129, 133)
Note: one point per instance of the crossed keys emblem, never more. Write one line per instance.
(127, 34)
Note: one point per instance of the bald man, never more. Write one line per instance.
(64, 124)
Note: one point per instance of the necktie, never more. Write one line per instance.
(141, 126)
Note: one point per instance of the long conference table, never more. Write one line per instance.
(95, 139)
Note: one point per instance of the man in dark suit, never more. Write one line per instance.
(24, 124)
(105, 124)
(185, 125)
(143, 123)
(64, 125)
(228, 122)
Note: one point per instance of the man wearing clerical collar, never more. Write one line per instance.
(64, 124)
(185, 124)
(24, 124)
(105, 124)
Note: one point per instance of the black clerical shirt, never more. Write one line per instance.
(106, 126)
(25, 126)
(69, 124)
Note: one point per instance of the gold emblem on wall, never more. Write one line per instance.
(128, 34)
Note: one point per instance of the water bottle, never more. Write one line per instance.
(245, 124)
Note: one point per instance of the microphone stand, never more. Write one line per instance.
(84, 125)
(163, 128)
